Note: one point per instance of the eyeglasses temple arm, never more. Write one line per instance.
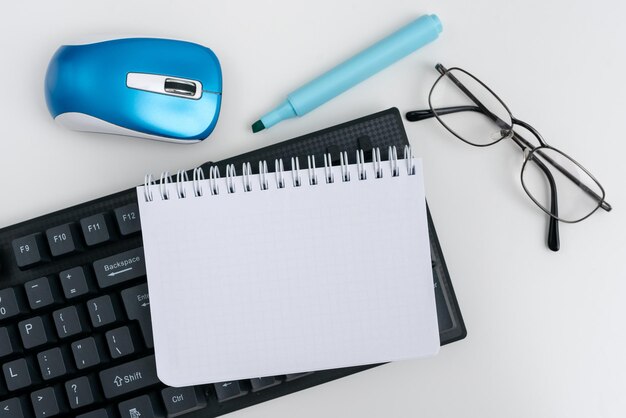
(554, 242)
(417, 115)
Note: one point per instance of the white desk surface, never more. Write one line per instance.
(546, 336)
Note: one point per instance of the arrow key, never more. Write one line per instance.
(228, 390)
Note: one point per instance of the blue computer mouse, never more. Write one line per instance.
(151, 88)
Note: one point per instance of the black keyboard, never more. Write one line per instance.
(75, 331)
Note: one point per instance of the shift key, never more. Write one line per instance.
(129, 377)
(120, 267)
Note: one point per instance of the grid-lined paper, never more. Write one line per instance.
(279, 281)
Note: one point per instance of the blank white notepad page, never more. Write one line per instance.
(279, 281)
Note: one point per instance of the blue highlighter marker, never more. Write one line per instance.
(356, 69)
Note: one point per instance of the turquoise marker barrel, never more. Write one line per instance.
(356, 69)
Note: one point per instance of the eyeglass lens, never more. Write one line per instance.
(485, 119)
(574, 203)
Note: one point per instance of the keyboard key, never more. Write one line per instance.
(67, 322)
(294, 376)
(16, 374)
(228, 390)
(39, 293)
(120, 268)
(51, 363)
(129, 377)
(62, 239)
(6, 346)
(11, 408)
(260, 383)
(96, 229)
(100, 413)
(101, 311)
(33, 332)
(74, 282)
(128, 219)
(79, 392)
(29, 250)
(180, 401)
(137, 407)
(85, 353)
(8, 304)
(120, 342)
(45, 403)
(137, 304)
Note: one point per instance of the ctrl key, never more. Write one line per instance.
(180, 401)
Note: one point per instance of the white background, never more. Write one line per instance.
(546, 332)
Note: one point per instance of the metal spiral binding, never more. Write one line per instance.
(214, 174)
(246, 170)
(378, 163)
(181, 179)
(295, 172)
(147, 187)
(328, 169)
(410, 160)
(263, 171)
(230, 178)
(360, 164)
(312, 174)
(280, 178)
(393, 159)
(165, 180)
(343, 162)
(198, 177)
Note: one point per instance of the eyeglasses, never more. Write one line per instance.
(472, 112)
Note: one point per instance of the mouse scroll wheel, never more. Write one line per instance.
(182, 87)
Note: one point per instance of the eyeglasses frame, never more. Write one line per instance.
(530, 151)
